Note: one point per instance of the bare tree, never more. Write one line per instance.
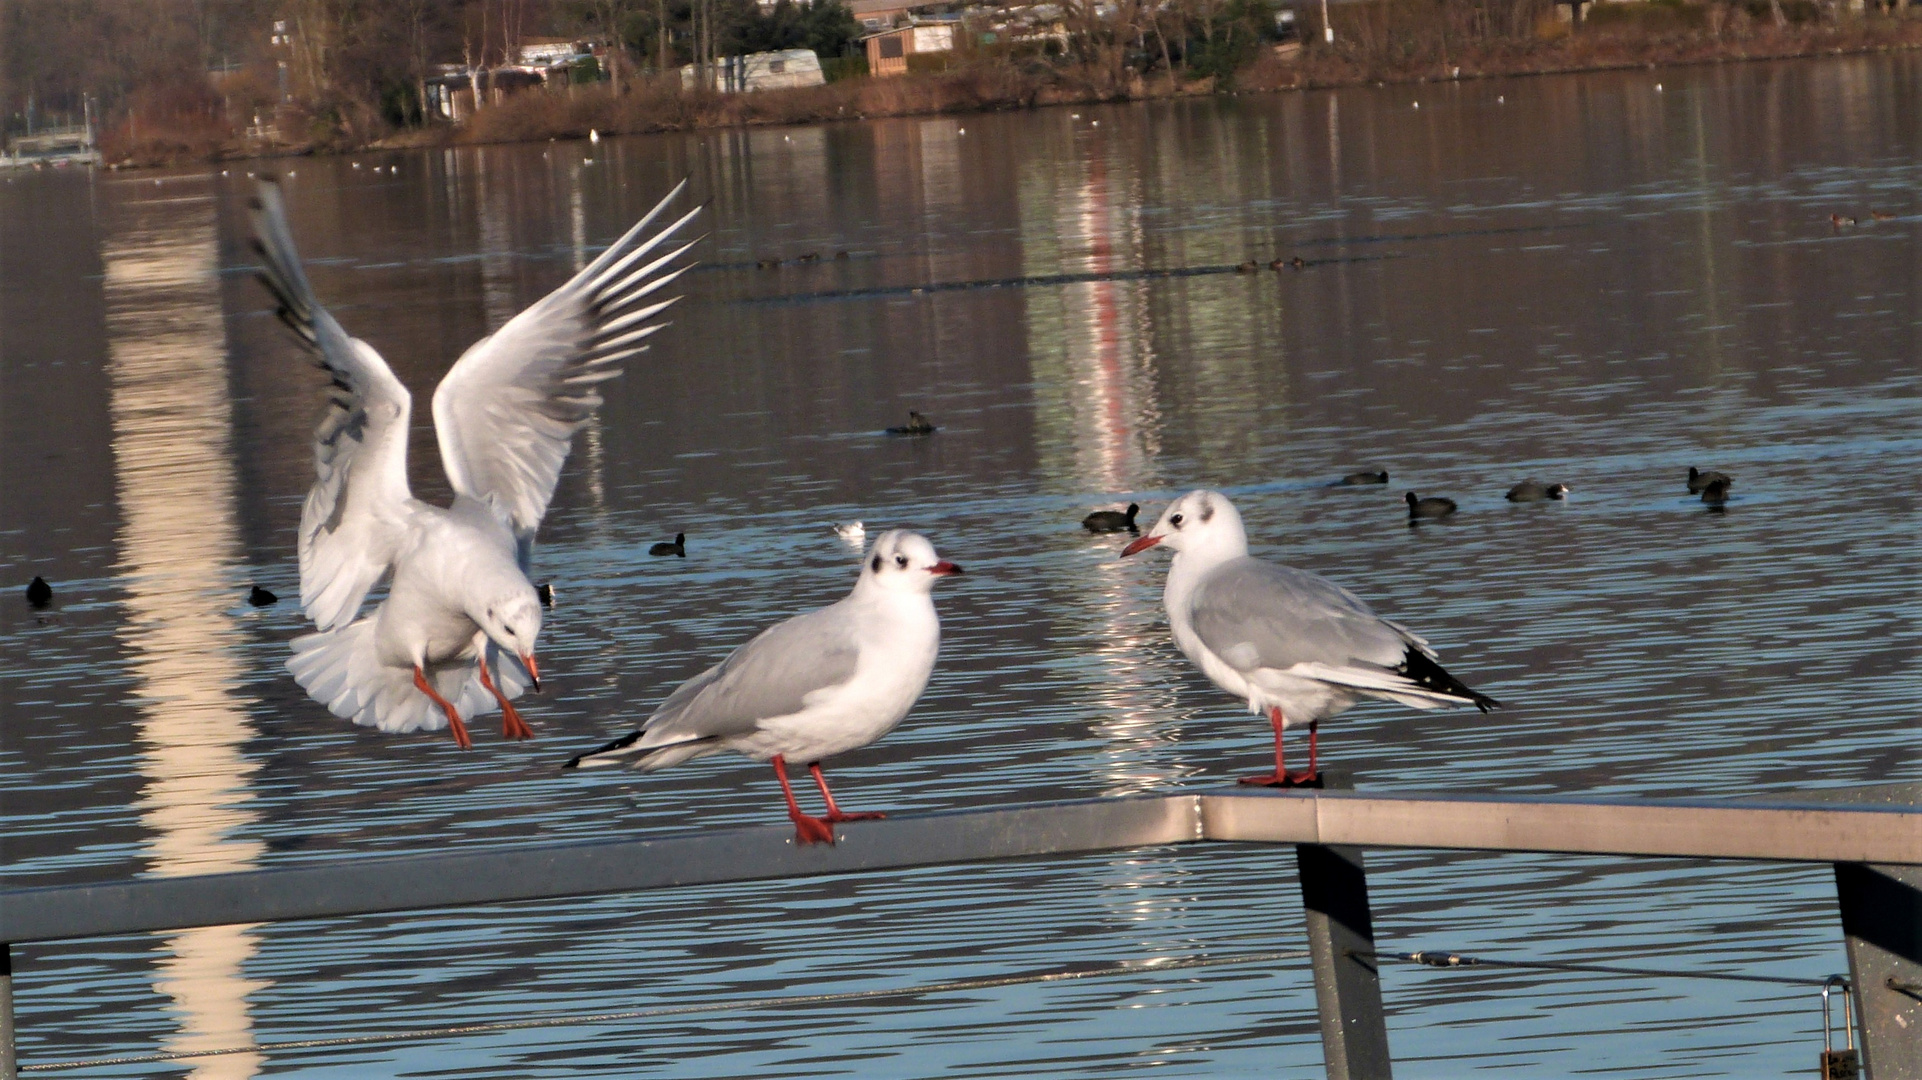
(316, 27)
(612, 16)
(414, 14)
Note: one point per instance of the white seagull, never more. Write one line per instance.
(455, 635)
(1294, 645)
(814, 686)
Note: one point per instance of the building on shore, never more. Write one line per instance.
(888, 51)
(56, 147)
(785, 70)
(545, 63)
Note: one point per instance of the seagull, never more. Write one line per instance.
(455, 635)
(1294, 645)
(852, 531)
(1112, 520)
(1536, 491)
(817, 685)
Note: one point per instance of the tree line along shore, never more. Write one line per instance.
(370, 87)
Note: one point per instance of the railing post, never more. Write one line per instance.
(1881, 908)
(1882, 923)
(1341, 944)
(9, 1063)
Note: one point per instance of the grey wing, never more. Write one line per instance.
(507, 411)
(1256, 615)
(356, 514)
(772, 675)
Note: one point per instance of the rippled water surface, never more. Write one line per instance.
(1583, 279)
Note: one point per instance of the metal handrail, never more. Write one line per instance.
(1875, 846)
(1794, 831)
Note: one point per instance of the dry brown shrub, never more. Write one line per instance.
(179, 118)
(662, 105)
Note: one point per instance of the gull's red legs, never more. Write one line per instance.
(453, 715)
(807, 830)
(834, 812)
(1280, 777)
(512, 726)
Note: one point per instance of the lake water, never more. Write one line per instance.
(1598, 279)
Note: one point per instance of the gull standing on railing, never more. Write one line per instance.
(814, 686)
(1294, 645)
(455, 635)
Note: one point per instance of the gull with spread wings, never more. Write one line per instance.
(454, 636)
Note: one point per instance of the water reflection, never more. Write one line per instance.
(1090, 344)
(175, 482)
(1097, 431)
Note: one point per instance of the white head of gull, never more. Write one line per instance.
(817, 685)
(1292, 644)
(455, 636)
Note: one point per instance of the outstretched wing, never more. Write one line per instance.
(507, 412)
(356, 513)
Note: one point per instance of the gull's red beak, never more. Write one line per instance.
(533, 670)
(1140, 545)
(944, 568)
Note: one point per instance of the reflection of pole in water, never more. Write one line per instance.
(178, 540)
(1098, 431)
(492, 209)
(1094, 361)
(1334, 145)
(577, 221)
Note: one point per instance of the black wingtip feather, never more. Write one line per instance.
(1429, 675)
(620, 743)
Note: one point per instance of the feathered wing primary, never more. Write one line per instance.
(356, 514)
(507, 412)
(778, 673)
(1258, 616)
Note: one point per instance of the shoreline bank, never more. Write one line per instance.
(660, 106)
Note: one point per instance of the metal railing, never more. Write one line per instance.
(1875, 844)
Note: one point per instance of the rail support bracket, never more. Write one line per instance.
(1341, 943)
(9, 1055)
(1882, 923)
